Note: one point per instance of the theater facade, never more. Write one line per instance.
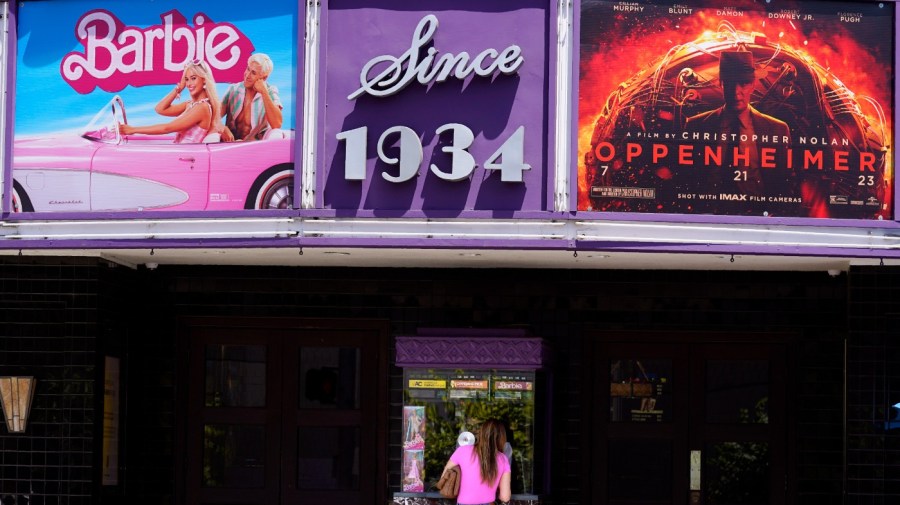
(658, 240)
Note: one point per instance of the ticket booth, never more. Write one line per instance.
(454, 380)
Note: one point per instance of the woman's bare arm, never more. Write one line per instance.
(505, 489)
(197, 115)
(165, 106)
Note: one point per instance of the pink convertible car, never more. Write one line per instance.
(104, 171)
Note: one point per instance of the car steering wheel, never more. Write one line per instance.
(117, 108)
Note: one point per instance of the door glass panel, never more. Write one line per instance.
(328, 458)
(640, 469)
(736, 473)
(235, 376)
(234, 456)
(640, 390)
(737, 391)
(328, 378)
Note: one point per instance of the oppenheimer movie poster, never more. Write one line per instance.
(743, 108)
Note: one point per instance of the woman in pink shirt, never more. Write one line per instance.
(483, 467)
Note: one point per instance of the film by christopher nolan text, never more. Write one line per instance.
(780, 109)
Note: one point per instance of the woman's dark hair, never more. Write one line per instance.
(490, 440)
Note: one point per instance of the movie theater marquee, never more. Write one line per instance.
(448, 120)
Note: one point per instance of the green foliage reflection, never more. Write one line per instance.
(218, 453)
(738, 472)
(445, 420)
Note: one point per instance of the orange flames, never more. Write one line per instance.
(623, 54)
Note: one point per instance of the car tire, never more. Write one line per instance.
(273, 190)
(20, 200)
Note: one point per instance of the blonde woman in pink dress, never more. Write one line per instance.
(195, 118)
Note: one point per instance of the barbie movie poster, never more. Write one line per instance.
(413, 428)
(154, 105)
(751, 108)
(413, 449)
(413, 471)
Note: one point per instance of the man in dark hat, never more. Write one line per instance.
(737, 123)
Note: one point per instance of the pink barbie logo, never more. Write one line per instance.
(116, 55)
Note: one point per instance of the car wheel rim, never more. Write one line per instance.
(278, 195)
(16, 202)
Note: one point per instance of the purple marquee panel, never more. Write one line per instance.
(435, 107)
(487, 348)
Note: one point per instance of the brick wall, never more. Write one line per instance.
(48, 328)
(873, 385)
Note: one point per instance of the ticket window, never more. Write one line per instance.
(443, 407)
(440, 405)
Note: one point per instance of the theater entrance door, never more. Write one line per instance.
(699, 423)
(283, 412)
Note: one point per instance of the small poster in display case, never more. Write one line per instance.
(640, 390)
(413, 471)
(414, 428)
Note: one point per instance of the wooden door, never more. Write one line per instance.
(689, 422)
(281, 414)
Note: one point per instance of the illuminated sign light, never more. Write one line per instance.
(427, 384)
(468, 384)
(513, 386)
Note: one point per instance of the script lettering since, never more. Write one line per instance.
(386, 75)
